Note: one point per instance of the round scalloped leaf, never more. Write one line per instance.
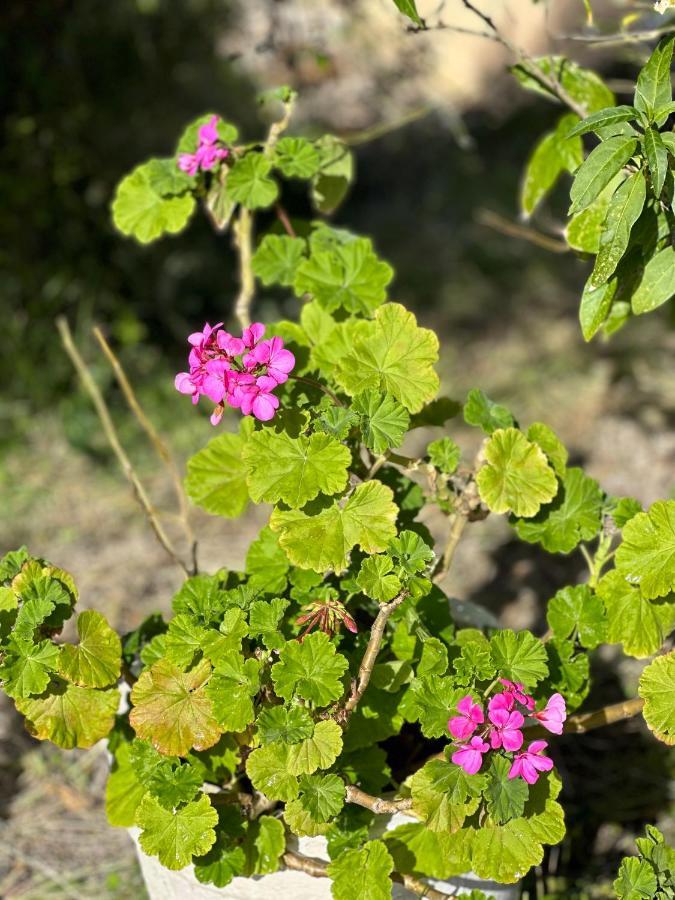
(69, 715)
(443, 795)
(646, 555)
(312, 670)
(248, 182)
(26, 668)
(231, 689)
(216, 476)
(294, 470)
(139, 210)
(267, 767)
(323, 540)
(171, 709)
(639, 624)
(392, 354)
(97, 660)
(175, 836)
(277, 259)
(362, 874)
(519, 657)
(578, 609)
(517, 476)
(657, 689)
(317, 752)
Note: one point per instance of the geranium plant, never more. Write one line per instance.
(259, 708)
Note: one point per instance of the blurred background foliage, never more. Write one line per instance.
(441, 135)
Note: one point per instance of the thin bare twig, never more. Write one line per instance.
(317, 868)
(383, 128)
(493, 220)
(378, 805)
(282, 215)
(111, 434)
(373, 648)
(623, 37)
(161, 448)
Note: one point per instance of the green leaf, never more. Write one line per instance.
(265, 617)
(585, 228)
(505, 796)
(516, 476)
(277, 258)
(568, 672)
(392, 354)
(598, 169)
(409, 9)
(226, 859)
(362, 874)
(596, 304)
(657, 689)
(583, 85)
(636, 880)
(264, 844)
(412, 554)
(623, 212)
(231, 688)
(324, 540)
(646, 555)
(653, 89)
(139, 210)
(289, 725)
(444, 454)
(172, 710)
(484, 413)
(267, 767)
(505, 852)
(296, 157)
(216, 476)
(435, 854)
(377, 579)
(312, 670)
(428, 701)
(557, 152)
(294, 470)
(657, 283)
(384, 421)
(218, 203)
(322, 795)
(331, 183)
(338, 421)
(434, 659)
(124, 791)
(11, 563)
(611, 115)
(176, 836)
(577, 610)
(443, 795)
(550, 443)
(573, 516)
(26, 668)
(657, 159)
(96, 661)
(248, 182)
(70, 716)
(166, 178)
(266, 564)
(189, 139)
(41, 596)
(349, 275)
(519, 657)
(641, 625)
(474, 664)
(624, 509)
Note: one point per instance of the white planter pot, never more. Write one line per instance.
(288, 884)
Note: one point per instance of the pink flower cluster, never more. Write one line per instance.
(209, 150)
(503, 731)
(241, 372)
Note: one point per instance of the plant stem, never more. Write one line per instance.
(491, 219)
(322, 387)
(608, 715)
(243, 237)
(317, 868)
(373, 648)
(378, 805)
(155, 438)
(111, 434)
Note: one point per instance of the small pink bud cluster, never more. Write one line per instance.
(209, 150)
(241, 372)
(503, 731)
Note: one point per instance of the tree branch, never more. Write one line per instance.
(317, 868)
(608, 715)
(111, 434)
(155, 438)
(373, 648)
(243, 239)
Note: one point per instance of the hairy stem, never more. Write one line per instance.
(373, 648)
(156, 440)
(243, 238)
(113, 439)
(317, 868)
